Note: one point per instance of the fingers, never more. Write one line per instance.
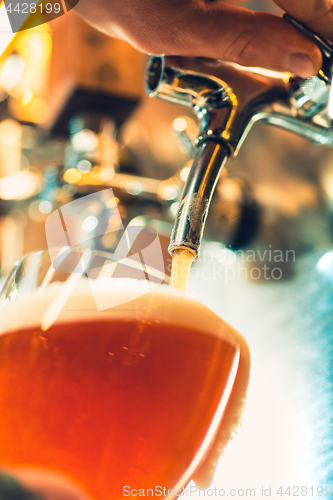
(247, 38)
(198, 28)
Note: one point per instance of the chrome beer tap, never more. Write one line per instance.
(228, 99)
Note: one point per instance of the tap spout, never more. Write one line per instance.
(196, 197)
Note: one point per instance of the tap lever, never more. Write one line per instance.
(325, 47)
(327, 54)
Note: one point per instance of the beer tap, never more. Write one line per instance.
(228, 99)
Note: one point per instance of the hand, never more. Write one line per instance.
(214, 29)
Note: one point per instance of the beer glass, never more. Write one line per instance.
(111, 378)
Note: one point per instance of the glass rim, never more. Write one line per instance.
(109, 256)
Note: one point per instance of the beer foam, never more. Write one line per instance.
(162, 305)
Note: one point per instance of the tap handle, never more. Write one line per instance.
(325, 47)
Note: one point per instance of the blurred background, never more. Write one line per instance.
(75, 118)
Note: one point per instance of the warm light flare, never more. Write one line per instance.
(184, 173)
(10, 133)
(85, 140)
(27, 96)
(19, 186)
(12, 72)
(72, 176)
(180, 124)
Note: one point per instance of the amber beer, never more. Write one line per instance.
(140, 395)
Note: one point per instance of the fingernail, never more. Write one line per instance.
(300, 64)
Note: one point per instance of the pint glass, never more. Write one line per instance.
(117, 385)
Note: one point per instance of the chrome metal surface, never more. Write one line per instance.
(325, 47)
(228, 99)
(197, 195)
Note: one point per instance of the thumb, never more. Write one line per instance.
(248, 38)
